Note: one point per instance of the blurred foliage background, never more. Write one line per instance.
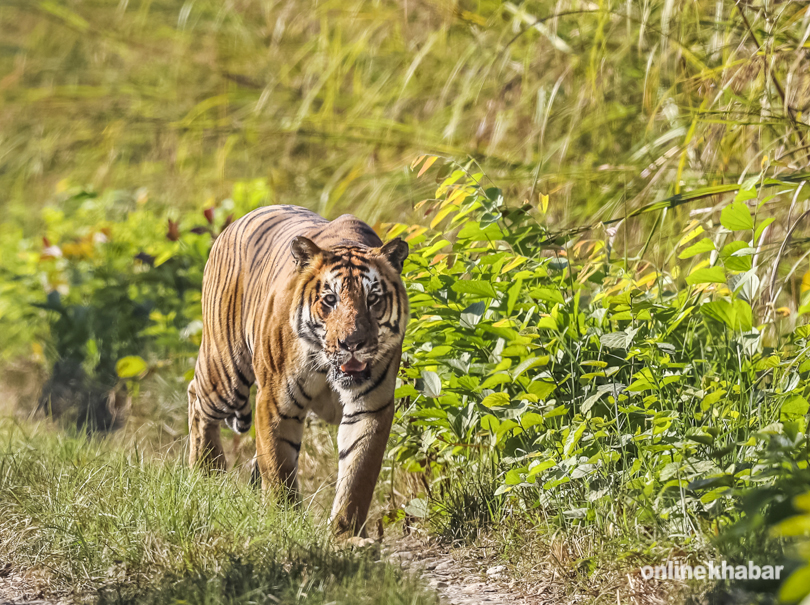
(605, 104)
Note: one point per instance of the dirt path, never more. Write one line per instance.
(17, 590)
(465, 581)
(457, 575)
(458, 583)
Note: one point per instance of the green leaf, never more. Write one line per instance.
(471, 231)
(639, 386)
(406, 390)
(542, 466)
(418, 507)
(761, 227)
(719, 310)
(496, 399)
(798, 525)
(530, 419)
(704, 245)
(547, 323)
(712, 398)
(474, 286)
(736, 256)
(514, 476)
(490, 423)
(795, 406)
(512, 294)
(495, 380)
(712, 275)
(439, 351)
(551, 295)
(129, 367)
(797, 586)
(618, 340)
(433, 384)
(472, 314)
(703, 438)
(433, 249)
(573, 439)
(712, 482)
(746, 193)
(737, 217)
(736, 315)
(541, 388)
(531, 362)
(744, 316)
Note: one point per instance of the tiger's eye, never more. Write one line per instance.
(330, 299)
(373, 298)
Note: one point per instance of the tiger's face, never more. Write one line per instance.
(352, 310)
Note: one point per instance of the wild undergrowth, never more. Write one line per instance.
(609, 276)
(102, 521)
(645, 394)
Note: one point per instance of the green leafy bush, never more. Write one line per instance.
(114, 281)
(604, 383)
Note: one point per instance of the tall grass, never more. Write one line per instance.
(606, 105)
(101, 519)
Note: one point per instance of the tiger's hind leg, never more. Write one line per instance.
(205, 444)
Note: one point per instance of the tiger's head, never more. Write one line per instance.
(352, 308)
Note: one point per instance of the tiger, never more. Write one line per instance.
(314, 313)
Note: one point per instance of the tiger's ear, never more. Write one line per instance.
(396, 251)
(304, 250)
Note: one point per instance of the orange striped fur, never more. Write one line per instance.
(314, 313)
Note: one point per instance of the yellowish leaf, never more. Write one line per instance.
(543, 203)
(395, 230)
(416, 233)
(518, 260)
(426, 166)
(441, 215)
(416, 162)
(806, 282)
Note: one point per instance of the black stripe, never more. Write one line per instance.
(303, 392)
(356, 415)
(376, 383)
(292, 397)
(219, 415)
(242, 378)
(223, 401)
(292, 444)
(352, 447)
(288, 417)
(242, 397)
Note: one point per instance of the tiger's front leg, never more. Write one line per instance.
(362, 438)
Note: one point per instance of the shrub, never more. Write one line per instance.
(604, 380)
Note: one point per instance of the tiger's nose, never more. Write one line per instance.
(352, 343)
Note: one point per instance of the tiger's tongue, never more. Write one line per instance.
(353, 365)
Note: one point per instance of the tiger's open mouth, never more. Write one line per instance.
(353, 371)
(353, 366)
